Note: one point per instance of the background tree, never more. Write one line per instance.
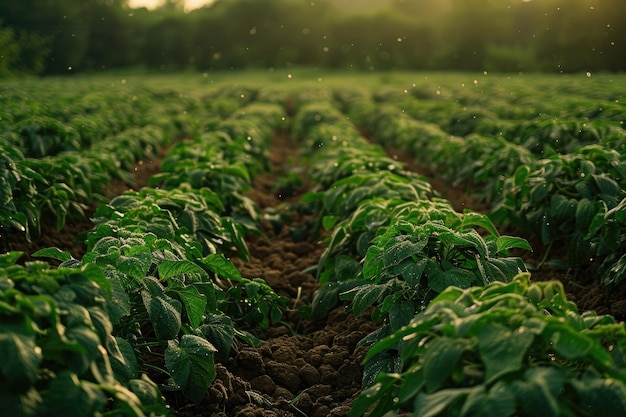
(10, 51)
(54, 36)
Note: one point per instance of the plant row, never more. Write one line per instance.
(394, 245)
(462, 331)
(575, 198)
(60, 153)
(65, 184)
(155, 293)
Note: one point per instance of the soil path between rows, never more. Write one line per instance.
(303, 369)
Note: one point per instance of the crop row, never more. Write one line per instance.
(564, 181)
(462, 331)
(57, 159)
(166, 297)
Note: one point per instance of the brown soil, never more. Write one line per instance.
(306, 368)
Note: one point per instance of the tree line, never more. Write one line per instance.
(61, 36)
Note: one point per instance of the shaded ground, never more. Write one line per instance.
(305, 368)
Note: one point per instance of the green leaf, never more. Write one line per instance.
(54, 253)
(504, 243)
(147, 392)
(219, 330)
(521, 174)
(607, 186)
(498, 401)
(387, 361)
(432, 405)
(20, 359)
(123, 360)
(538, 393)
(9, 258)
(325, 298)
(440, 358)
(560, 206)
(400, 250)
(84, 344)
(372, 264)
(585, 211)
(502, 350)
(600, 396)
(222, 267)
(364, 296)
(69, 396)
(191, 365)
(409, 331)
(26, 404)
(371, 395)
(472, 218)
(328, 222)
(411, 271)
(546, 231)
(164, 313)
(569, 342)
(439, 280)
(194, 302)
(95, 274)
(413, 383)
(136, 266)
(168, 269)
(539, 192)
(312, 197)
(119, 305)
(401, 313)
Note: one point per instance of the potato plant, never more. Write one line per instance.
(505, 349)
(557, 198)
(59, 353)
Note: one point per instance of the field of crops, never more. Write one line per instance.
(313, 244)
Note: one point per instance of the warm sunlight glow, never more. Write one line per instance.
(151, 4)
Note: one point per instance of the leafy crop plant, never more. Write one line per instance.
(515, 349)
(59, 356)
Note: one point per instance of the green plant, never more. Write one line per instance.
(44, 136)
(350, 158)
(504, 349)
(607, 237)
(252, 303)
(546, 135)
(312, 114)
(203, 164)
(343, 197)
(424, 248)
(59, 353)
(181, 215)
(492, 168)
(161, 300)
(162, 252)
(18, 193)
(558, 197)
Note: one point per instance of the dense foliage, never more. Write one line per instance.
(461, 326)
(504, 349)
(75, 35)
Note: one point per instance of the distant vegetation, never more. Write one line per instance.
(61, 36)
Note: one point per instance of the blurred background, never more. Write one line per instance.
(73, 36)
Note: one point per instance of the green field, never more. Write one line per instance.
(436, 236)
